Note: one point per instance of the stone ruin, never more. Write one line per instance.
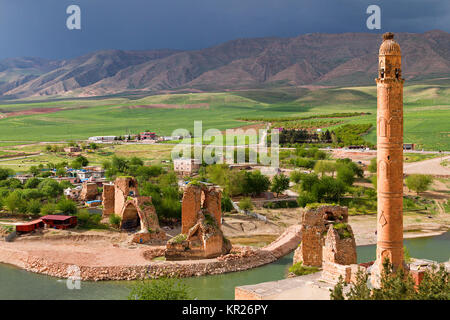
(136, 212)
(327, 242)
(201, 234)
(89, 191)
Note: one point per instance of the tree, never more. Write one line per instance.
(255, 183)
(65, 184)
(418, 182)
(328, 189)
(34, 206)
(397, 285)
(159, 289)
(5, 173)
(47, 209)
(119, 163)
(136, 161)
(308, 181)
(325, 166)
(82, 160)
(346, 175)
(32, 183)
(61, 172)
(34, 170)
(280, 183)
(67, 206)
(93, 146)
(14, 201)
(296, 176)
(50, 188)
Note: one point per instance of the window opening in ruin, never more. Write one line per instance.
(389, 157)
(382, 73)
(330, 216)
(397, 73)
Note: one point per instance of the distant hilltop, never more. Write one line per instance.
(310, 59)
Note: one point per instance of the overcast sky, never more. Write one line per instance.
(38, 27)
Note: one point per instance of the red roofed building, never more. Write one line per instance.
(30, 226)
(148, 135)
(59, 221)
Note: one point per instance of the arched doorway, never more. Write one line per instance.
(130, 217)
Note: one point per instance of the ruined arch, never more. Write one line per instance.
(130, 216)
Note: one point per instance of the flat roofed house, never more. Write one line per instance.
(72, 149)
(186, 166)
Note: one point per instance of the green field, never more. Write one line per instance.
(427, 112)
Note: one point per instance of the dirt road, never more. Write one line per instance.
(432, 167)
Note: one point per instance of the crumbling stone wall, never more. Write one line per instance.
(108, 199)
(340, 248)
(124, 187)
(213, 204)
(315, 222)
(89, 191)
(201, 235)
(190, 207)
(123, 199)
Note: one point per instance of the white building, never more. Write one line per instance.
(102, 138)
(186, 166)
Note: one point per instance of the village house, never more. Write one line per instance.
(72, 149)
(186, 166)
(148, 135)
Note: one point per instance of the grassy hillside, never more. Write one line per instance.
(427, 110)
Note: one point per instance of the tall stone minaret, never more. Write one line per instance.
(389, 156)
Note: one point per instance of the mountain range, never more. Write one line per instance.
(310, 59)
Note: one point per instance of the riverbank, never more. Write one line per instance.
(100, 256)
(96, 257)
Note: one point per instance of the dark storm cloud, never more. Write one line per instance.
(38, 27)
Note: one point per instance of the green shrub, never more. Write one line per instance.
(397, 285)
(114, 220)
(159, 289)
(48, 208)
(306, 198)
(210, 221)
(342, 229)
(89, 221)
(178, 238)
(300, 270)
(226, 204)
(246, 204)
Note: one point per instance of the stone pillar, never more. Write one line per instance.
(190, 207)
(213, 204)
(389, 156)
(108, 199)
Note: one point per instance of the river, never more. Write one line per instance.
(19, 284)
